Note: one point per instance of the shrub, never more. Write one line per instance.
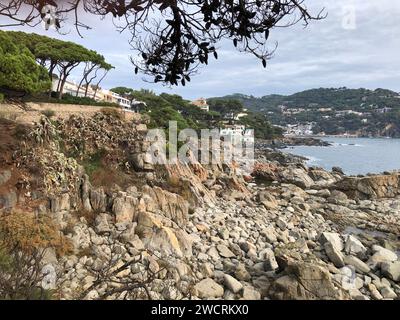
(112, 112)
(25, 232)
(49, 113)
(24, 240)
(21, 275)
(94, 162)
(1, 97)
(19, 71)
(90, 216)
(21, 131)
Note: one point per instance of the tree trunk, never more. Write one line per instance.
(98, 83)
(60, 92)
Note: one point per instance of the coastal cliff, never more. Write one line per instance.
(137, 230)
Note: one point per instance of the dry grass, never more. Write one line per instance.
(49, 113)
(28, 233)
(9, 115)
(90, 216)
(113, 112)
(33, 112)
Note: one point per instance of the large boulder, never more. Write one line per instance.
(168, 204)
(321, 177)
(297, 176)
(338, 197)
(381, 255)
(124, 207)
(156, 236)
(371, 187)
(333, 238)
(391, 270)
(354, 246)
(334, 255)
(304, 281)
(359, 265)
(98, 200)
(268, 200)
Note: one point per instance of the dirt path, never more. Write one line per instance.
(33, 111)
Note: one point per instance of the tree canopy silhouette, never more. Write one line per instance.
(173, 37)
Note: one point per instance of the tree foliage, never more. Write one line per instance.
(19, 71)
(262, 127)
(332, 110)
(173, 37)
(57, 56)
(227, 108)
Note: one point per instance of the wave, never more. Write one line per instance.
(337, 144)
(312, 159)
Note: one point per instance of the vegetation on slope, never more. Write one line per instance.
(334, 111)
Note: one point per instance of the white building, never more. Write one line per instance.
(238, 133)
(299, 129)
(103, 95)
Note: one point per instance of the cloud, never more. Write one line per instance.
(356, 46)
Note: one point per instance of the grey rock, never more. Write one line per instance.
(338, 197)
(359, 265)
(224, 251)
(241, 273)
(354, 246)
(270, 263)
(250, 293)
(224, 233)
(232, 284)
(333, 238)
(383, 254)
(281, 224)
(388, 293)
(269, 233)
(334, 255)
(208, 288)
(391, 270)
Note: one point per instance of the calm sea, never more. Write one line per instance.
(354, 155)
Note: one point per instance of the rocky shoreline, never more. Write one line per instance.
(190, 231)
(286, 141)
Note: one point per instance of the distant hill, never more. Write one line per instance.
(338, 98)
(332, 110)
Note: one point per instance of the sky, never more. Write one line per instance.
(356, 45)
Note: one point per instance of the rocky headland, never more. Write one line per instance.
(189, 231)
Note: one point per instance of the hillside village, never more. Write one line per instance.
(331, 111)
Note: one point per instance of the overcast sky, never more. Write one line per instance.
(357, 45)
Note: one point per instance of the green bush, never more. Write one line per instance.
(19, 71)
(68, 99)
